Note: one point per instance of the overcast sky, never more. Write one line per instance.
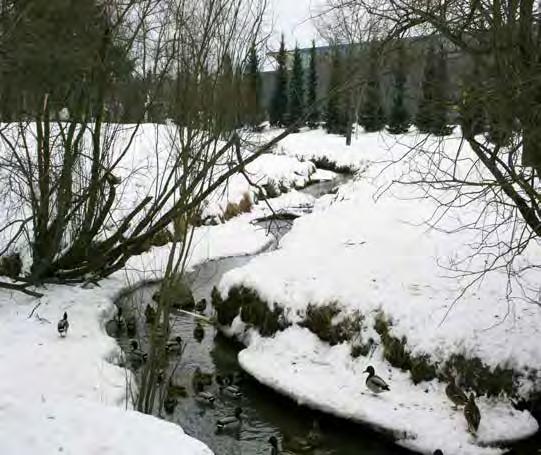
(292, 17)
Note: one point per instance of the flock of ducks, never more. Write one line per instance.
(227, 387)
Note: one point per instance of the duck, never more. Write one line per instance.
(233, 421)
(169, 404)
(199, 332)
(136, 355)
(472, 414)
(201, 306)
(176, 390)
(206, 397)
(375, 383)
(437, 452)
(63, 325)
(150, 314)
(455, 393)
(308, 444)
(131, 326)
(227, 388)
(174, 346)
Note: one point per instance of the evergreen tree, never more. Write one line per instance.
(372, 114)
(473, 119)
(399, 119)
(335, 117)
(279, 103)
(313, 115)
(432, 111)
(253, 89)
(296, 90)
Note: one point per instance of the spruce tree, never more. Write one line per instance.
(279, 103)
(432, 112)
(399, 119)
(313, 114)
(253, 89)
(372, 114)
(335, 117)
(296, 90)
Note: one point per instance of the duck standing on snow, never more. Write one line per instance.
(472, 414)
(63, 325)
(455, 393)
(230, 422)
(375, 383)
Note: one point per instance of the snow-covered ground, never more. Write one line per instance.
(68, 394)
(375, 255)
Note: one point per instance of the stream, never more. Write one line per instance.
(265, 413)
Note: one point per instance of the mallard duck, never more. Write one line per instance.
(233, 421)
(201, 306)
(150, 314)
(455, 393)
(472, 414)
(373, 382)
(63, 325)
(199, 332)
(136, 355)
(169, 404)
(297, 444)
(174, 346)
(206, 397)
(131, 326)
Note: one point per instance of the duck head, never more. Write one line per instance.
(369, 370)
(65, 317)
(178, 339)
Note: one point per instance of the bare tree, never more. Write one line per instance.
(497, 165)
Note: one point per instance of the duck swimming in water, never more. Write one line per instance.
(232, 422)
(375, 383)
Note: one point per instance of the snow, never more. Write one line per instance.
(372, 252)
(296, 363)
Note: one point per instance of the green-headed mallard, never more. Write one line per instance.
(199, 332)
(472, 414)
(169, 404)
(205, 397)
(137, 356)
(373, 382)
(201, 306)
(63, 325)
(174, 346)
(150, 314)
(232, 422)
(455, 393)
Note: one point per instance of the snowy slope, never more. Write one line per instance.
(376, 255)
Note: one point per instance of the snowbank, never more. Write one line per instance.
(296, 363)
(376, 256)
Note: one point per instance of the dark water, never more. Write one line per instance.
(265, 413)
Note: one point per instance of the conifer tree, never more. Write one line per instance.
(335, 117)
(313, 114)
(279, 103)
(372, 114)
(296, 90)
(399, 119)
(253, 89)
(432, 112)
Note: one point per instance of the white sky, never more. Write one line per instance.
(292, 17)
